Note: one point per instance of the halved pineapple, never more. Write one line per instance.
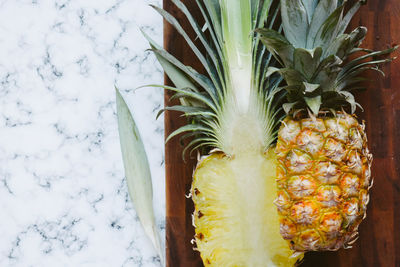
(235, 218)
(235, 110)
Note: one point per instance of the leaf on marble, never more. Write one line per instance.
(137, 172)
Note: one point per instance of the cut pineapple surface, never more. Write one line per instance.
(235, 218)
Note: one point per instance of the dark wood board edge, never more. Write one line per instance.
(379, 243)
(179, 229)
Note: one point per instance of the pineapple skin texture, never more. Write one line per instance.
(235, 220)
(323, 178)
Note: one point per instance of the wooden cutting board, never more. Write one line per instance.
(379, 242)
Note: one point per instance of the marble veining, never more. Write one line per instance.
(63, 197)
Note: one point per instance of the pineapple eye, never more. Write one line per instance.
(200, 214)
(200, 236)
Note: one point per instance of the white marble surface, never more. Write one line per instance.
(63, 197)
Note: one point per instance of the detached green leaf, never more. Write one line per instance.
(137, 172)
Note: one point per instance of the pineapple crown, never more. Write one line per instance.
(314, 53)
(236, 64)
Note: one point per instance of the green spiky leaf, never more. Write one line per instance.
(310, 6)
(278, 45)
(322, 11)
(310, 87)
(307, 61)
(314, 103)
(295, 22)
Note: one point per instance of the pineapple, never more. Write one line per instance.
(324, 165)
(233, 116)
(323, 177)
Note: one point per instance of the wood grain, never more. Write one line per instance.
(379, 243)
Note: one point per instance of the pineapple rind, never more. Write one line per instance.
(235, 219)
(323, 180)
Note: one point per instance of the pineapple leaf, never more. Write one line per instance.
(354, 76)
(350, 99)
(292, 76)
(307, 61)
(137, 172)
(188, 111)
(237, 28)
(202, 80)
(271, 70)
(314, 103)
(345, 43)
(209, 68)
(350, 14)
(213, 32)
(203, 140)
(191, 128)
(287, 107)
(329, 29)
(177, 76)
(328, 68)
(349, 71)
(321, 71)
(295, 22)
(310, 6)
(263, 13)
(347, 83)
(322, 12)
(358, 60)
(210, 52)
(278, 45)
(262, 58)
(214, 11)
(188, 93)
(309, 87)
(255, 6)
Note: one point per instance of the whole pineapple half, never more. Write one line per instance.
(233, 116)
(324, 170)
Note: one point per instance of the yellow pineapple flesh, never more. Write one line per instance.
(323, 178)
(235, 219)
